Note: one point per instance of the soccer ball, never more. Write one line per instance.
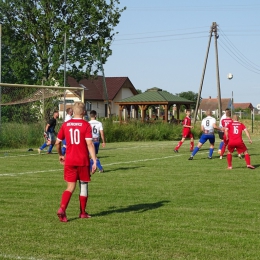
(230, 76)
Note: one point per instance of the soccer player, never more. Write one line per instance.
(208, 125)
(221, 132)
(78, 135)
(49, 133)
(224, 122)
(186, 132)
(233, 133)
(97, 132)
(69, 112)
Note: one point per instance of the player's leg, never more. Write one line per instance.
(101, 169)
(211, 147)
(191, 143)
(229, 155)
(202, 140)
(63, 149)
(52, 142)
(70, 176)
(84, 179)
(221, 135)
(243, 149)
(179, 145)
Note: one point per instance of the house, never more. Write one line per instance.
(97, 98)
(243, 106)
(212, 104)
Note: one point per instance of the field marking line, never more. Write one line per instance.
(31, 172)
(5, 256)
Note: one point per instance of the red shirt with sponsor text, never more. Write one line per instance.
(76, 131)
(235, 130)
(226, 121)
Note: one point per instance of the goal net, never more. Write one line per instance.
(26, 109)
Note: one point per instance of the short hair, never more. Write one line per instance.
(188, 110)
(55, 111)
(208, 112)
(68, 110)
(235, 117)
(228, 113)
(227, 109)
(79, 108)
(93, 113)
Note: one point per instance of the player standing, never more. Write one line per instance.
(97, 132)
(49, 133)
(69, 112)
(224, 123)
(208, 125)
(186, 132)
(78, 135)
(221, 132)
(234, 132)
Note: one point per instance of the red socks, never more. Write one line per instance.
(83, 203)
(65, 199)
(229, 159)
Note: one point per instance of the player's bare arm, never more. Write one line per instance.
(103, 138)
(58, 147)
(92, 152)
(248, 136)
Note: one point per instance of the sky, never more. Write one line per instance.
(163, 44)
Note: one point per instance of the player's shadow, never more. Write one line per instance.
(123, 169)
(138, 208)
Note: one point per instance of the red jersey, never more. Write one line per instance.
(235, 129)
(76, 131)
(186, 121)
(226, 121)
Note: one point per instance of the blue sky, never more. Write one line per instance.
(163, 44)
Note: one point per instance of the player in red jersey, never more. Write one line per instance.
(78, 135)
(233, 133)
(224, 123)
(186, 132)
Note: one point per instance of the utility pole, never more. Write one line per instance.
(0, 75)
(214, 30)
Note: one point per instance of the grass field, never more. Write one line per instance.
(149, 204)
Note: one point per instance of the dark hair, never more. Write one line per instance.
(68, 110)
(93, 113)
(55, 111)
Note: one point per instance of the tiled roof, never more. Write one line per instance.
(243, 105)
(95, 90)
(156, 96)
(212, 103)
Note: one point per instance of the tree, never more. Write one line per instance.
(190, 96)
(34, 36)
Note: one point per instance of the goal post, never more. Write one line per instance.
(26, 109)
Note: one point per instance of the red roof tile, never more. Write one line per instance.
(95, 90)
(212, 103)
(243, 105)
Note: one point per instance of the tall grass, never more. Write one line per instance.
(14, 135)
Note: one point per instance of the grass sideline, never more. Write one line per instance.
(149, 204)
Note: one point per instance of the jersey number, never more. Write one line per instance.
(74, 136)
(207, 122)
(94, 130)
(235, 130)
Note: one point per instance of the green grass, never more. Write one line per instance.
(149, 204)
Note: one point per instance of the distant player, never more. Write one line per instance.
(221, 132)
(208, 125)
(186, 132)
(78, 135)
(49, 133)
(97, 132)
(69, 112)
(233, 133)
(224, 123)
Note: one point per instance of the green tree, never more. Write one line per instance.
(190, 96)
(34, 33)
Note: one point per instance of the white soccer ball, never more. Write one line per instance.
(230, 76)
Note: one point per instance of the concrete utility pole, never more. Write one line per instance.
(214, 30)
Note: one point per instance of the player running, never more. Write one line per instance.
(186, 132)
(224, 123)
(208, 125)
(233, 133)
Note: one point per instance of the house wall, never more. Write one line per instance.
(99, 106)
(123, 93)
